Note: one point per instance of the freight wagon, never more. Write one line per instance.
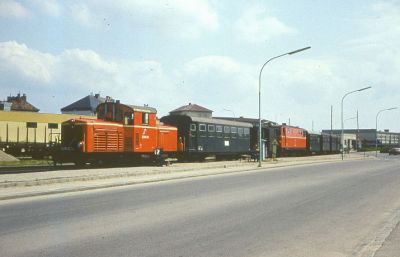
(30, 133)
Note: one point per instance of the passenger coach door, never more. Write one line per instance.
(193, 137)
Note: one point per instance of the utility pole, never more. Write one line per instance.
(358, 134)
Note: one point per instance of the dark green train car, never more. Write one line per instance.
(200, 137)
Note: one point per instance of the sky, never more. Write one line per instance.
(168, 53)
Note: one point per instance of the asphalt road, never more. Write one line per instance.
(329, 210)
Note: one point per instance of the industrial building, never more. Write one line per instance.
(367, 137)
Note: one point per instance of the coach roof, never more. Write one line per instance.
(221, 122)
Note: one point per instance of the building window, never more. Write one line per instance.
(52, 125)
(202, 127)
(192, 127)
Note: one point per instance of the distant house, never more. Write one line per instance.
(85, 106)
(192, 110)
(5, 106)
(17, 103)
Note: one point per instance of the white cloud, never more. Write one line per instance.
(27, 63)
(76, 72)
(255, 26)
(187, 19)
(13, 9)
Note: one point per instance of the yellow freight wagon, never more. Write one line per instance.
(31, 133)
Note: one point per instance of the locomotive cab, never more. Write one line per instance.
(73, 135)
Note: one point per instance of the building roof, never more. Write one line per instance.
(88, 103)
(191, 108)
(19, 103)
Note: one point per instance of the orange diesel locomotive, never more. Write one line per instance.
(290, 140)
(120, 132)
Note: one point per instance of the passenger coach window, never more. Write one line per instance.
(246, 131)
(192, 127)
(227, 130)
(233, 130)
(202, 127)
(219, 129)
(211, 128)
(240, 131)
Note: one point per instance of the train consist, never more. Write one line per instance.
(133, 133)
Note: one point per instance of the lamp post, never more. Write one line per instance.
(353, 118)
(259, 97)
(342, 134)
(376, 127)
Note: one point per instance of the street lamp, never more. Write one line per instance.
(234, 116)
(376, 127)
(259, 96)
(352, 118)
(342, 134)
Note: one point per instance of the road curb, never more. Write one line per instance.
(145, 178)
(59, 180)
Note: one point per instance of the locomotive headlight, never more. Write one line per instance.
(79, 145)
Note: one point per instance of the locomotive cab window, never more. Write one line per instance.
(145, 118)
(118, 115)
(128, 118)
